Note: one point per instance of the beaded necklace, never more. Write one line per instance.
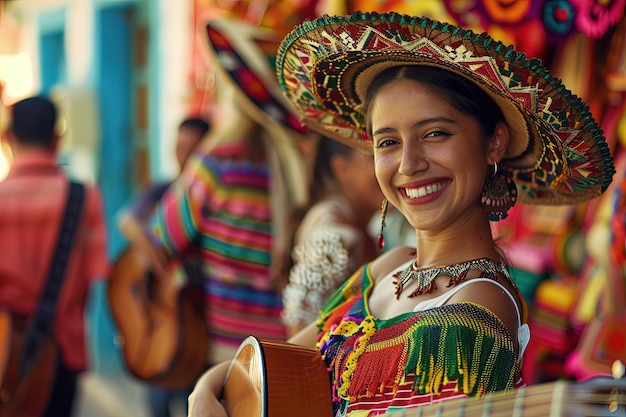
(425, 277)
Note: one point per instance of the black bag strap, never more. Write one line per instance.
(41, 323)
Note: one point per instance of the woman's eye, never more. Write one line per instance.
(385, 142)
(436, 133)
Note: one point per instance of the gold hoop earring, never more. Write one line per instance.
(499, 195)
(383, 214)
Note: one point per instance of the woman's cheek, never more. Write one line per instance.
(382, 164)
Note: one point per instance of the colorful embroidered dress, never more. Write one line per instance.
(221, 206)
(413, 359)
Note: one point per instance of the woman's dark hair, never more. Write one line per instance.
(458, 91)
(200, 125)
(323, 177)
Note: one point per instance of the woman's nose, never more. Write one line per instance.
(413, 159)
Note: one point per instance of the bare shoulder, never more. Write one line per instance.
(389, 260)
(493, 298)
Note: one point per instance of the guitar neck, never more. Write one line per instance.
(552, 399)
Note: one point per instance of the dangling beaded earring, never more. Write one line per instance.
(383, 213)
(499, 195)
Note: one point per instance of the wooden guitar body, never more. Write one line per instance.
(5, 335)
(161, 323)
(24, 395)
(276, 379)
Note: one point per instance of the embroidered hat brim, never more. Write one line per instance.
(557, 152)
(245, 53)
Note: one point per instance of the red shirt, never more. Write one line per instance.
(32, 201)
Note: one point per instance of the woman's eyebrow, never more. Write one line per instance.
(417, 125)
(383, 130)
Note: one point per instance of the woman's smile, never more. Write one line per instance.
(425, 193)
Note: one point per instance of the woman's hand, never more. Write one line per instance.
(305, 337)
(204, 400)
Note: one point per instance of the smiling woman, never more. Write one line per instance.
(461, 127)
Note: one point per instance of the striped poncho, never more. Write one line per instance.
(220, 206)
(413, 359)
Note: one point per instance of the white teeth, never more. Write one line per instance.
(423, 191)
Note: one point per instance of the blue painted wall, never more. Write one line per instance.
(113, 70)
(114, 66)
(53, 62)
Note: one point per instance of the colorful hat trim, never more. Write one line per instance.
(557, 153)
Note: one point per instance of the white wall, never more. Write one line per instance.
(172, 31)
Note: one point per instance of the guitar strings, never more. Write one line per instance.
(503, 406)
(530, 401)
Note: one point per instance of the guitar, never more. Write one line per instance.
(161, 323)
(24, 395)
(278, 379)
(5, 347)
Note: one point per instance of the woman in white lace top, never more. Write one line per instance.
(332, 239)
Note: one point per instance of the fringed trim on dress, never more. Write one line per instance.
(462, 342)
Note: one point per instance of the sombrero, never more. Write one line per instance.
(244, 54)
(557, 152)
